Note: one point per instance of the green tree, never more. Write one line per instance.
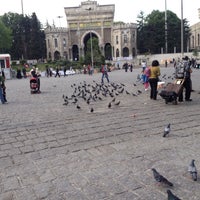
(97, 56)
(151, 32)
(28, 37)
(5, 37)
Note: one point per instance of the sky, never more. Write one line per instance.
(125, 10)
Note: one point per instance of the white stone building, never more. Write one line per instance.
(87, 21)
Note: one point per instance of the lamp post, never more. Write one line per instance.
(59, 17)
(166, 39)
(91, 45)
(22, 5)
(182, 51)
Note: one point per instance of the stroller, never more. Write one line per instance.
(34, 85)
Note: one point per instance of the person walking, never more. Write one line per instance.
(2, 87)
(57, 71)
(187, 84)
(153, 79)
(104, 71)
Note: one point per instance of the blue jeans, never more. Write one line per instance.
(1, 95)
(106, 76)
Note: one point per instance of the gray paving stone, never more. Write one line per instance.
(58, 152)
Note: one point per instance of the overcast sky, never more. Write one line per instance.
(125, 10)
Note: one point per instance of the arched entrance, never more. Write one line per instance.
(125, 52)
(91, 48)
(56, 55)
(87, 43)
(75, 53)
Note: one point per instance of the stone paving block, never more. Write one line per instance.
(42, 190)
(65, 153)
(10, 183)
(25, 193)
(5, 162)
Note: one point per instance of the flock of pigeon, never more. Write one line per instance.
(192, 170)
(89, 94)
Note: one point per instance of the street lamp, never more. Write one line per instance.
(182, 51)
(166, 45)
(22, 7)
(91, 45)
(59, 17)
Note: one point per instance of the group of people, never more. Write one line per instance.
(2, 88)
(151, 78)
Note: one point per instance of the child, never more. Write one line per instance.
(147, 73)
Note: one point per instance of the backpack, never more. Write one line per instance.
(147, 71)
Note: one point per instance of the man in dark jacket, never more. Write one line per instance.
(187, 80)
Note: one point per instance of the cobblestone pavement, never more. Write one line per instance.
(56, 152)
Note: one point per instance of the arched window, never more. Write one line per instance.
(125, 52)
(56, 42)
(117, 52)
(117, 40)
(64, 42)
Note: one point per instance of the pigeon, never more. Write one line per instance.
(171, 196)
(92, 110)
(78, 107)
(109, 105)
(166, 130)
(66, 103)
(113, 100)
(161, 179)
(193, 171)
(117, 103)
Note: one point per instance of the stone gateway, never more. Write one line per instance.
(90, 20)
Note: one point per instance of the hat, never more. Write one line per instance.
(155, 63)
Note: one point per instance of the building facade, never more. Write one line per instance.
(194, 41)
(90, 20)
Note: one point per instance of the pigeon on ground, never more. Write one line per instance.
(92, 110)
(78, 107)
(161, 179)
(193, 171)
(167, 130)
(66, 103)
(109, 105)
(171, 196)
(113, 100)
(117, 103)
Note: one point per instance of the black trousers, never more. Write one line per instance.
(153, 84)
(188, 87)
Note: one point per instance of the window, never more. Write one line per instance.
(117, 41)
(56, 42)
(125, 39)
(48, 43)
(117, 53)
(64, 42)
